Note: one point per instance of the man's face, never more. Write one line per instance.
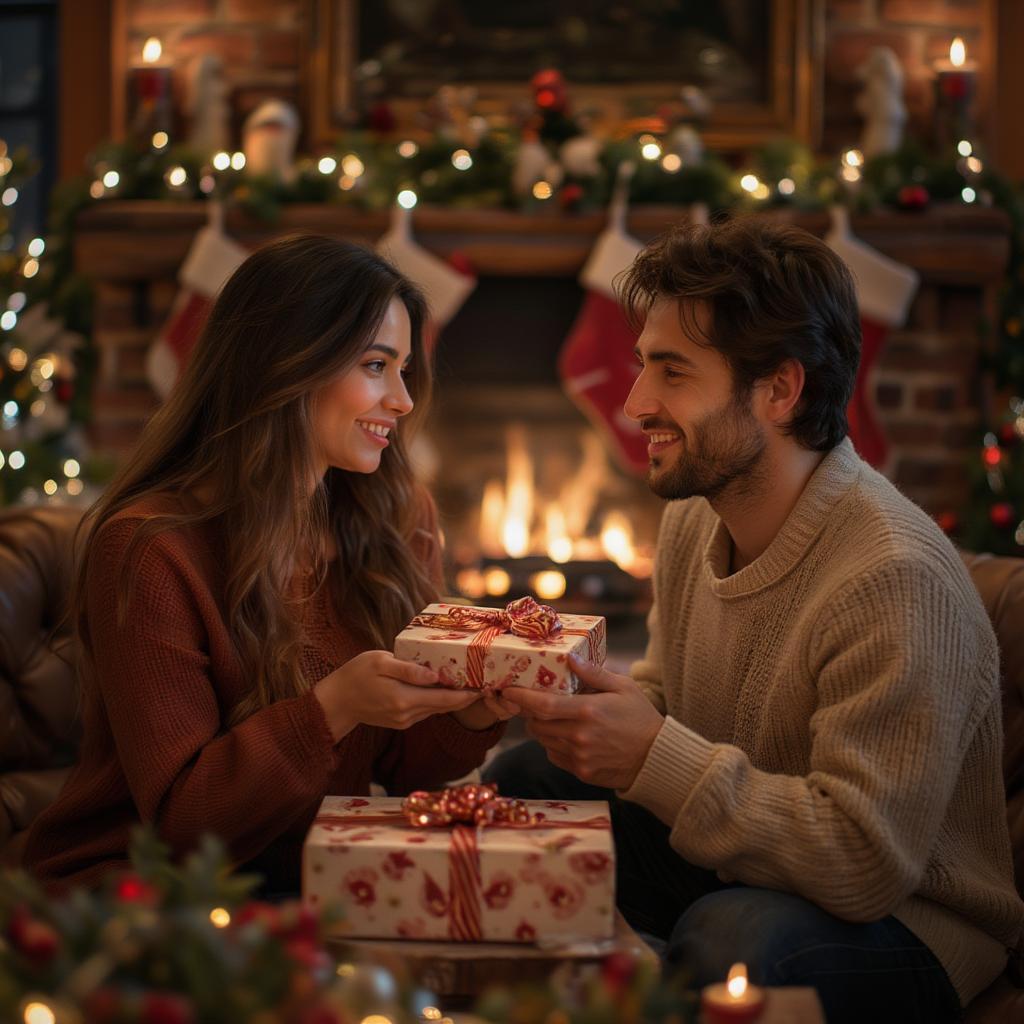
(703, 438)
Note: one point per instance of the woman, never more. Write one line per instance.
(244, 574)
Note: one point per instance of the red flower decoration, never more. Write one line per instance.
(361, 884)
(526, 932)
(593, 866)
(397, 863)
(565, 897)
(545, 677)
(499, 892)
(433, 897)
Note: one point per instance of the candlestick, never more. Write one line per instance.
(149, 94)
(734, 1001)
(954, 95)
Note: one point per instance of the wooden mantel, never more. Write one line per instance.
(926, 385)
(956, 243)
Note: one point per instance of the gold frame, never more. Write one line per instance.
(795, 107)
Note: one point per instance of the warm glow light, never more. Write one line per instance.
(16, 300)
(352, 165)
(177, 176)
(72, 468)
(8, 320)
(408, 149)
(222, 160)
(737, 981)
(787, 186)
(160, 139)
(346, 182)
(31, 268)
(345, 970)
(542, 190)
(617, 539)
(237, 160)
(111, 179)
(431, 1013)
(853, 158)
(497, 581)
(220, 917)
(17, 359)
(957, 53)
(471, 583)
(548, 585)
(974, 165)
(968, 195)
(761, 192)
(650, 151)
(559, 544)
(37, 408)
(515, 533)
(153, 50)
(492, 512)
(46, 367)
(96, 190)
(850, 174)
(749, 182)
(39, 1013)
(10, 409)
(16, 459)
(75, 487)
(671, 162)
(964, 148)
(327, 165)
(9, 196)
(407, 199)
(36, 247)
(376, 1018)
(50, 487)
(461, 160)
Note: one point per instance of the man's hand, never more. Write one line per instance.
(482, 714)
(601, 737)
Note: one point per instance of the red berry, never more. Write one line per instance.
(1002, 515)
(165, 1008)
(132, 889)
(913, 197)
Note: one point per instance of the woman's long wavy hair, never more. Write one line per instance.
(238, 428)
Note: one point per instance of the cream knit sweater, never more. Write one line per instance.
(833, 718)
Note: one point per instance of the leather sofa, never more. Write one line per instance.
(38, 698)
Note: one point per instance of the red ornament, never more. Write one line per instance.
(913, 197)
(1002, 515)
(165, 1008)
(381, 119)
(570, 195)
(617, 971)
(992, 456)
(949, 522)
(549, 92)
(132, 889)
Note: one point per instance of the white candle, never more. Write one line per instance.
(734, 1001)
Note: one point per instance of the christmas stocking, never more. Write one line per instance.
(211, 260)
(885, 289)
(446, 286)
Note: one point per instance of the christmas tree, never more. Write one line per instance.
(42, 446)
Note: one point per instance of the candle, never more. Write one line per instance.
(954, 94)
(734, 1001)
(149, 94)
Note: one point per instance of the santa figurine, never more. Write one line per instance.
(269, 138)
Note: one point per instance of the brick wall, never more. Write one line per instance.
(260, 42)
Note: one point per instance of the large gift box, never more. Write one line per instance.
(524, 644)
(394, 871)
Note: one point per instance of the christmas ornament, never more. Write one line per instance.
(1002, 515)
(885, 289)
(211, 260)
(913, 197)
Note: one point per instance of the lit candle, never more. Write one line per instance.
(734, 1001)
(954, 94)
(149, 93)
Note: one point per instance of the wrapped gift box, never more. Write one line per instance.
(551, 882)
(526, 644)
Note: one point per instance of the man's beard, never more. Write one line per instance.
(723, 449)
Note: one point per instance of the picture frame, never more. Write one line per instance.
(782, 87)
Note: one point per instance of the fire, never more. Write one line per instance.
(737, 981)
(515, 523)
(957, 53)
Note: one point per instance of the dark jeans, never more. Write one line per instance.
(877, 972)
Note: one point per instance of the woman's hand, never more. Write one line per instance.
(484, 712)
(376, 688)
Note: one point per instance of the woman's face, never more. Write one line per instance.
(356, 414)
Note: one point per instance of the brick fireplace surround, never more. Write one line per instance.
(929, 394)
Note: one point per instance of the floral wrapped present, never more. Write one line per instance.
(464, 865)
(524, 644)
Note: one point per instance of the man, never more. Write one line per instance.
(806, 762)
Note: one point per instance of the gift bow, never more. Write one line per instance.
(523, 617)
(470, 804)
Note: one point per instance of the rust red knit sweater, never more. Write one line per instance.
(155, 745)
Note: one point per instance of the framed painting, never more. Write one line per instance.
(757, 61)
